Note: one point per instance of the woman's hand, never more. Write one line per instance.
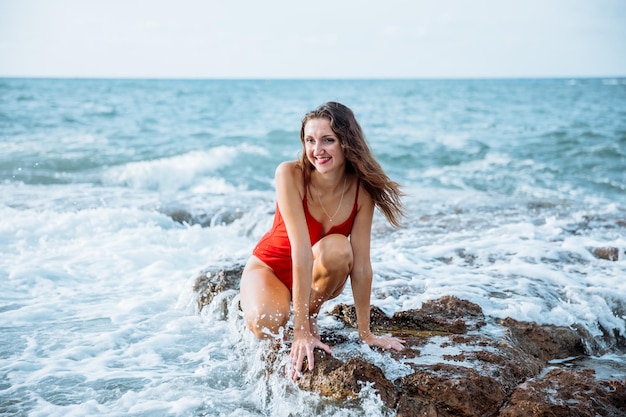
(385, 342)
(304, 343)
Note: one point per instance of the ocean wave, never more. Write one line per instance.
(178, 172)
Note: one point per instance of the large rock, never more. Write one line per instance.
(342, 380)
(451, 391)
(476, 381)
(447, 314)
(564, 393)
(475, 374)
(546, 342)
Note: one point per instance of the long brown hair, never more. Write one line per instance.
(359, 159)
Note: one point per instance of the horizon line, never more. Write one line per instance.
(217, 78)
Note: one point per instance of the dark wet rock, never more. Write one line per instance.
(612, 337)
(418, 320)
(451, 391)
(492, 378)
(344, 380)
(467, 256)
(214, 281)
(545, 342)
(180, 216)
(563, 393)
(502, 361)
(471, 373)
(454, 308)
(184, 216)
(219, 217)
(447, 314)
(477, 381)
(347, 314)
(608, 253)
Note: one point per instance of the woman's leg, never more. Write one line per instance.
(331, 266)
(265, 300)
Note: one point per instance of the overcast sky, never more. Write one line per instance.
(313, 39)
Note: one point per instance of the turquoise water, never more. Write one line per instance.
(555, 133)
(509, 186)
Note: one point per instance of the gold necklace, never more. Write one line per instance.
(319, 199)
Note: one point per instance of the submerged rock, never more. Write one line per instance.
(216, 218)
(607, 253)
(475, 374)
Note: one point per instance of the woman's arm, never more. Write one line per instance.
(290, 193)
(361, 275)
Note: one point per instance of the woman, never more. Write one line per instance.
(321, 234)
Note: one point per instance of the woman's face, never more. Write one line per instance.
(322, 146)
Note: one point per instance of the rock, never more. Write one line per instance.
(545, 342)
(565, 393)
(180, 216)
(347, 314)
(451, 391)
(218, 217)
(504, 362)
(474, 382)
(443, 315)
(453, 308)
(418, 320)
(613, 337)
(452, 369)
(340, 381)
(212, 282)
(608, 253)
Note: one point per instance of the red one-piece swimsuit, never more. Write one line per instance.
(275, 250)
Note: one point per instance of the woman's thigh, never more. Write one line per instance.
(264, 299)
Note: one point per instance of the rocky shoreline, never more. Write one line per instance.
(515, 374)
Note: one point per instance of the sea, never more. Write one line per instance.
(115, 194)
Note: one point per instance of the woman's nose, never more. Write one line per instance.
(317, 148)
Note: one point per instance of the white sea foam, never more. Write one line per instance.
(453, 141)
(102, 284)
(181, 171)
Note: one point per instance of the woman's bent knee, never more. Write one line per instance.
(335, 253)
(333, 264)
(265, 325)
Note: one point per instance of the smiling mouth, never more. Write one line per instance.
(323, 160)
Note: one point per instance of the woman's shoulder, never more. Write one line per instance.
(289, 167)
(290, 173)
